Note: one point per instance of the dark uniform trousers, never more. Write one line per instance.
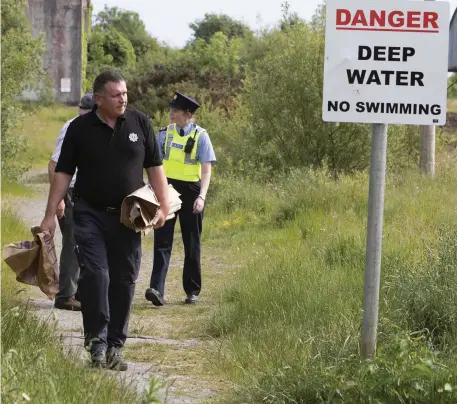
(69, 269)
(191, 229)
(110, 257)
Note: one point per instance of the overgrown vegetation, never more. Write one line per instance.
(21, 71)
(452, 86)
(291, 317)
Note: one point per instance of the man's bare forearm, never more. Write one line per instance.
(51, 169)
(59, 187)
(158, 181)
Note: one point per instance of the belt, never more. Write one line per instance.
(108, 209)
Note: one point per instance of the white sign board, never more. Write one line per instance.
(386, 62)
(65, 85)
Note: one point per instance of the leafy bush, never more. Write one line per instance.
(21, 71)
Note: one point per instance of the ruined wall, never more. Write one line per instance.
(61, 22)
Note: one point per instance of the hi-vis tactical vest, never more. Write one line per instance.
(178, 164)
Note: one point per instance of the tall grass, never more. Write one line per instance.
(41, 131)
(10, 188)
(291, 318)
(34, 365)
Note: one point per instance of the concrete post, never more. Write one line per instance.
(427, 148)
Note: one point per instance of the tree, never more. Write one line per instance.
(108, 49)
(21, 70)
(286, 118)
(219, 53)
(205, 29)
(283, 98)
(289, 19)
(130, 25)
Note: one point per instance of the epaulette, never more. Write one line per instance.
(162, 129)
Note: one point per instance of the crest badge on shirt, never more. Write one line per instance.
(133, 137)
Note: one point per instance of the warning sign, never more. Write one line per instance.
(386, 62)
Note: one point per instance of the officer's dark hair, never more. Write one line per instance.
(106, 77)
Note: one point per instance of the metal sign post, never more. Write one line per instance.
(374, 239)
(385, 63)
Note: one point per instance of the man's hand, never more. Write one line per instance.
(199, 204)
(49, 224)
(60, 209)
(160, 220)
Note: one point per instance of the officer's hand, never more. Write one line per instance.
(160, 220)
(60, 209)
(199, 204)
(49, 224)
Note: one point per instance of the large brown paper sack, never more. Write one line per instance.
(23, 259)
(35, 262)
(139, 209)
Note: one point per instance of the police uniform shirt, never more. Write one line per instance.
(205, 151)
(110, 162)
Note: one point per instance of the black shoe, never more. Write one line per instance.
(98, 357)
(114, 360)
(191, 298)
(154, 296)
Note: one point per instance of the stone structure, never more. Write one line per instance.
(64, 24)
(453, 43)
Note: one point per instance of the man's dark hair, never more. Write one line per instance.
(106, 77)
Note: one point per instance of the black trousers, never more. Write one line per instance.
(110, 259)
(69, 269)
(191, 229)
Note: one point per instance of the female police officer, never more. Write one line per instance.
(187, 159)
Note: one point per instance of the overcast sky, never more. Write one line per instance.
(169, 20)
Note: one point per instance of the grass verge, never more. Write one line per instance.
(41, 130)
(10, 188)
(290, 318)
(34, 365)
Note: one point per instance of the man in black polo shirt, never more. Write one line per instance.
(109, 146)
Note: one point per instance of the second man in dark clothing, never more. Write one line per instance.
(110, 147)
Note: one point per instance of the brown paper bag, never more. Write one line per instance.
(35, 262)
(139, 209)
(23, 259)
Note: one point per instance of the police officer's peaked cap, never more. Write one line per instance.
(87, 102)
(181, 101)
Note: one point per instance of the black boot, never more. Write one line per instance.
(98, 356)
(114, 360)
(154, 296)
